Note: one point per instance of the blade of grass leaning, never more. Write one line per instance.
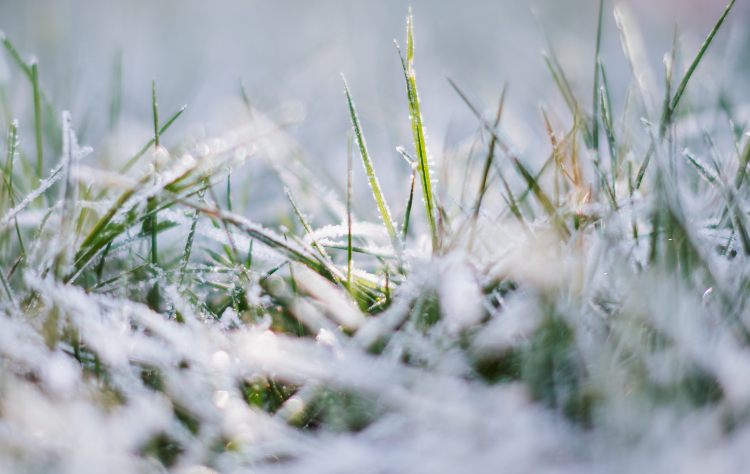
(151, 142)
(100, 267)
(245, 98)
(607, 121)
(13, 267)
(16, 56)
(669, 63)
(702, 170)
(684, 82)
(414, 171)
(671, 105)
(307, 227)
(490, 156)
(418, 130)
(407, 213)
(385, 212)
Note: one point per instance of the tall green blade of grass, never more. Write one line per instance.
(418, 130)
(70, 195)
(490, 156)
(32, 73)
(37, 119)
(148, 145)
(307, 227)
(595, 116)
(116, 99)
(12, 144)
(152, 201)
(671, 105)
(667, 116)
(189, 248)
(16, 56)
(407, 213)
(744, 161)
(385, 212)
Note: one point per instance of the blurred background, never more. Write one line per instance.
(290, 54)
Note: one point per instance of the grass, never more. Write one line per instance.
(585, 301)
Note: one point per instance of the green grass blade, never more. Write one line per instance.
(100, 267)
(150, 224)
(705, 173)
(490, 157)
(245, 98)
(607, 121)
(189, 248)
(595, 116)
(666, 113)
(744, 161)
(684, 82)
(644, 165)
(407, 213)
(385, 212)
(418, 130)
(116, 99)
(151, 142)
(16, 57)
(307, 227)
(37, 119)
(12, 144)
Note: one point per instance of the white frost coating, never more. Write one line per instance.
(335, 302)
(359, 229)
(460, 295)
(241, 242)
(516, 322)
(43, 186)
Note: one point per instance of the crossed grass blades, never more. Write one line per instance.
(105, 243)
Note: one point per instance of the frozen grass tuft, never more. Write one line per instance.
(583, 311)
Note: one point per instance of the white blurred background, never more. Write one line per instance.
(290, 54)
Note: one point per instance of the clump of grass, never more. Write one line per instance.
(571, 299)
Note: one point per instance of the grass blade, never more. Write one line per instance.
(407, 213)
(245, 98)
(595, 115)
(189, 248)
(683, 83)
(385, 212)
(417, 129)
(307, 227)
(37, 119)
(16, 56)
(490, 156)
(143, 151)
(116, 104)
(531, 181)
(150, 224)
